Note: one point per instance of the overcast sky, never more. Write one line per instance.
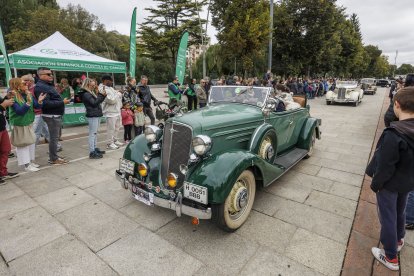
(386, 23)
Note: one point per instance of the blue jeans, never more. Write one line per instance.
(410, 209)
(391, 213)
(93, 132)
(40, 128)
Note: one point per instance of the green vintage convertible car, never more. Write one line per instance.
(208, 163)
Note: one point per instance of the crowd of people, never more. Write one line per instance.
(35, 106)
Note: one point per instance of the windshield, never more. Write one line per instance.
(368, 81)
(346, 84)
(239, 94)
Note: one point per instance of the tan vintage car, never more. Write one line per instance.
(369, 86)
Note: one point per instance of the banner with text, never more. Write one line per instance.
(133, 44)
(182, 58)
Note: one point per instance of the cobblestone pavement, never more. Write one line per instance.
(77, 220)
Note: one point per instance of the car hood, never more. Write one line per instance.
(220, 116)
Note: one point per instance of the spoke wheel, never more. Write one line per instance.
(231, 214)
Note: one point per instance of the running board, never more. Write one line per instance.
(291, 158)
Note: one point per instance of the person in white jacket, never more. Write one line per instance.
(111, 108)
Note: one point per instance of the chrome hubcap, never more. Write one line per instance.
(239, 198)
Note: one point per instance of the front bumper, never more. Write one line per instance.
(333, 100)
(175, 205)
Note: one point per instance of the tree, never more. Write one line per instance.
(13, 13)
(355, 23)
(243, 30)
(405, 69)
(162, 30)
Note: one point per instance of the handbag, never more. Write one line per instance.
(22, 136)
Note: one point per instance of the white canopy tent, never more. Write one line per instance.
(60, 54)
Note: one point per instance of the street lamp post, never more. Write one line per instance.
(203, 47)
(270, 36)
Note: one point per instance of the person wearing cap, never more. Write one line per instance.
(146, 97)
(174, 91)
(92, 100)
(111, 109)
(139, 119)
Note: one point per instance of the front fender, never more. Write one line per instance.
(330, 95)
(220, 171)
(308, 127)
(136, 148)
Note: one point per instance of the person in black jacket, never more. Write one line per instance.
(146, 97)
(92, 100)
(5, 146)
(389, 114)
(52, 111)
(391, 169)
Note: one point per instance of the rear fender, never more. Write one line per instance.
(259, 134)
(311, 124)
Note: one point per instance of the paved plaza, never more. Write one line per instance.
(77, 220)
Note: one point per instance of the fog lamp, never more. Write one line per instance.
(142, 169)
(172, 180)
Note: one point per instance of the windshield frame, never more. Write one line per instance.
(267, 90)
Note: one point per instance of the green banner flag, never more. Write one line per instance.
(133, 44)
(182, 58)
(6, 58)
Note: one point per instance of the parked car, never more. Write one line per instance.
(368, 85)
(208, 163)
(345, 92)
(383, 83)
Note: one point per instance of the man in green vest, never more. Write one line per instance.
(174, 91)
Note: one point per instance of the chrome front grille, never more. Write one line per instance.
(175, 150)
(341, 93)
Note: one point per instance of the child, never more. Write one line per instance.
(127, 121)
(139, 119)
(392, 174)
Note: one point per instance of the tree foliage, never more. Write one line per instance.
(161, 32)
(243, 30)
(404, 69)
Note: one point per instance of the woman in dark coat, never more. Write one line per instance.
(92, 100)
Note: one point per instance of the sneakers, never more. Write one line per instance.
(10, 175)
(100, 151)
(2, 181)
(112, 146)
(409, 226)
(118, 143)
(59, 157)
(11, 155)
(31, 168)
(95, 155)
(58, 162)
(35, 165)
(379, 254)
(400, 245)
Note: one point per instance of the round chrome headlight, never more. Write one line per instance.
(151, 133)
(201, 144)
